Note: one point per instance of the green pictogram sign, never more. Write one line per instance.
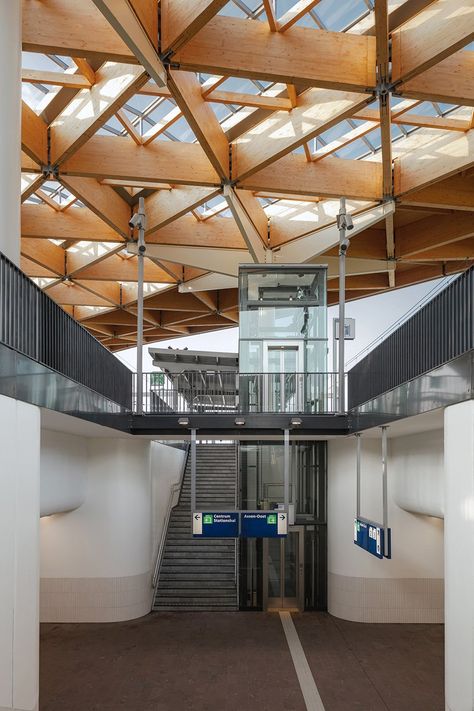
(157, 378)
(208, 518)
(271, 518)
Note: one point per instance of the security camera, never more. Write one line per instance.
(142, 249)
(349, 223)
(134, 221)
(344, 246)
(344, 222)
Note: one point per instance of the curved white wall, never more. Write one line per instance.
(409, 587)
(418, 473)
(95, 561)
(63, 472)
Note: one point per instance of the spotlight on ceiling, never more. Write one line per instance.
(296, 421)
(239, 421)
(183, 421)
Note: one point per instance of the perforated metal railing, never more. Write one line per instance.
(229, 392)
(34, 325)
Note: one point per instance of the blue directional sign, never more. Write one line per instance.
(263, 524)
(371, 537)
(216, 524)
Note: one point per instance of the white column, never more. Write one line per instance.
(10, 133)
(459, 555)
(19, 553)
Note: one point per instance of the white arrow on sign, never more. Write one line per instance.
(197, 524)
(282, 528)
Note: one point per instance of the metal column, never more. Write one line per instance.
(141, 224)
(344, 221)
(193, 471)
(384, 486)
(358, 440)
(286, 472)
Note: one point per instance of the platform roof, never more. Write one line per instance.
(176, 360)
(241, 123)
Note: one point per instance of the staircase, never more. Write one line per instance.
(196, 573)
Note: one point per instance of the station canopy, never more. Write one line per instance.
(241, 124)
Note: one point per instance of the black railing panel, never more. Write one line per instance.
(227, 392)
(33, 324)
(439, 332)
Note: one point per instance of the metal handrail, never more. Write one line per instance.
(230, 392)
(172, 502)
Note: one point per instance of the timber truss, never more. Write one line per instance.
(241, 123)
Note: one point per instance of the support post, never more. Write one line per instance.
(384, 487)
(344, 222)
(193, 471)
(286, 473)
(358, 440)
(141, 224)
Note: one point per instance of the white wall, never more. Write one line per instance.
(418, 473)
(63, 472)
(19, 554)
(10, 135)
(459, 556)
(409, 587)
(96, 561)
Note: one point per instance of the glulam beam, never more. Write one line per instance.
(235, 47)
(181, 20)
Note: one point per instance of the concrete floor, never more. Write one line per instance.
(238, 662)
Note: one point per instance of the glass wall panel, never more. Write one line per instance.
(283, 330)
(261, 487)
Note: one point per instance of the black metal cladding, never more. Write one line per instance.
(437, 333)
(32, 324)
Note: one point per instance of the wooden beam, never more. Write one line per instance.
(259, 101)
(444, 155)
(70, 28)
(434, 231)
(318, 110)
(30, 182)
(34, 132)
(41, 222)
(269, 7)
(456, 193)
(147, 13)
(440, 30)
(331, 177)
(186, 90)
(41, 76)
(169, 162)
(235, 47)
(295, 13)
(181, 20)
(85, 69)
(91, 108)
(45, 253)
(451, 81)
(216, 232)
(74, 295)
(250, 234)
(126, 24)
(164, 207)
(102, 200)
(454, 251)
(114, 268)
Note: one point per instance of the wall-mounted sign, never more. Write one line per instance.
(216, 524)
(263, 524)
(371, 537)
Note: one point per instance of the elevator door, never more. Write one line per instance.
(283, 363)
(283, 571)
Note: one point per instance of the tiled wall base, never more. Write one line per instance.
(94, 599)
(386, 599)
(11, 708)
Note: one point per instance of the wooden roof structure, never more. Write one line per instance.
(241, 123)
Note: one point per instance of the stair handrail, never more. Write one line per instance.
(172, 502)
